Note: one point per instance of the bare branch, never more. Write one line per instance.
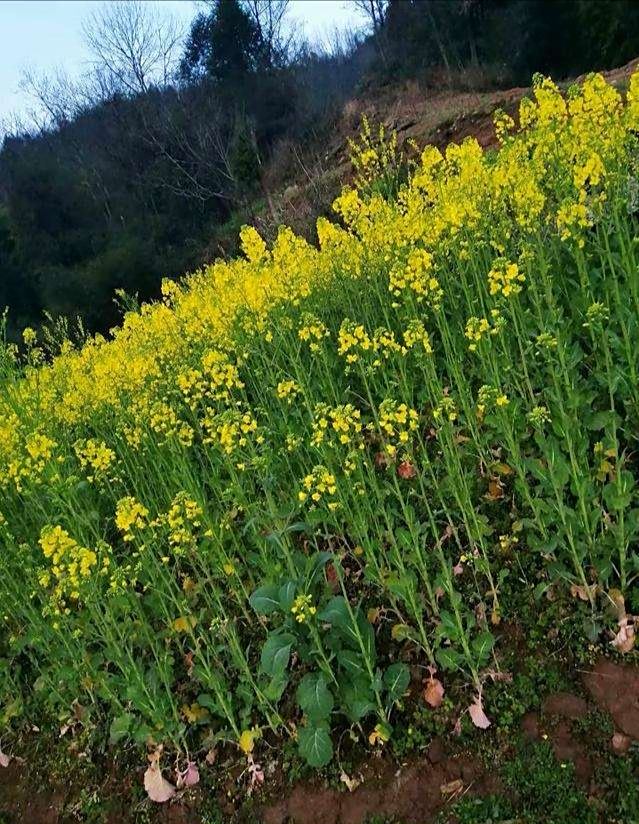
(134, 44)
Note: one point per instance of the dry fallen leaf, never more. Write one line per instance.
(406, 470)
(584, 593)
(620, 743)
(351, 783)
(452, 787)
(495, 490)
(624, 640)
(157, 787)
(477, 714)
(190, 777)
(433, 692)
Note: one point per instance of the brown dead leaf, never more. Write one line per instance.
(624, 640)
(433, 692)
(157, 787)
(351, 783)
(189, 777)
(620, 743)
(477, 714)
(452, 788)
(495, 490)
(406, 470)
(584, 593)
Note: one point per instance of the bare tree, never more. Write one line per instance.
(269, 17)
(375, 12)
(135, 44)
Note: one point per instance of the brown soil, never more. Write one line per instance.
(615, 689)
(414, 792)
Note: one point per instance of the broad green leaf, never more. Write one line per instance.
(276, 652)
(265, 600)
(335, 612)
(353, 663)
(276, 686)
(448, 658)
(286, 595)
(208, 701)
(315, 744)
(482, 646)
(120, 727)
(357, 698)
(314, 696)
(396, 680)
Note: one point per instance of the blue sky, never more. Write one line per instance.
(44, 35)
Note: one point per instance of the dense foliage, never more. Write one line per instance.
(122, 185)
(302, 469)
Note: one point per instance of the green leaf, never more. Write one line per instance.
(396, 680)
(449, 625)
(276, 686)
(360, 635)
(286, 595)
(335, 612)
(315, 744)
(357, 698)
(208, 701)
(276, 653)
(314, 696)
(120, 727)
(448, 658)
(265, 600)
(353, 663)
(482, 645)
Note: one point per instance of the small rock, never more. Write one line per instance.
(620, 743)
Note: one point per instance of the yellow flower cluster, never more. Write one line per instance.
(352, 340)
(183, 521)
(339, 423)
(505, 278)
(572, 219)
(417, 277)
(478, 328)
(318, 484)
(95, 456)
(416, 336)
(396, 423)
(312, 331)
(303, 608)
(287, 390)
(130, 517)
(70, 563)
(488, 398)
(446, 410)
(228, 429)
